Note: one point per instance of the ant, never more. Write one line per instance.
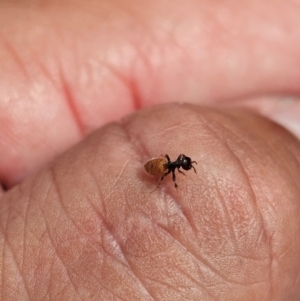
(166, 166)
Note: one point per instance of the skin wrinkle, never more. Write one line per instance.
(133, 87)
(265, 296)
(179, 205)
(155, 280)
(51, 296)
(24, 239)
(272, 261)
(283, 167)
(2, 271)
(297, 279)
(267, 142)
(286, 250)
(45, 72)
(13, 256)
(137, 276)
(129, 82)
(135, 256)
(185, 125)
(15, 57)
(206, 290)
(80, 230)
(283, 164)
(54, 246)
(103, 208)
(133, 84)
(248, 178)
(67, 270)
(36, 275)
(245, 172)
(105, 225)
(118, 75)
(22, 297)
(240, 164)
(198, 260)
(112, 292)
(115, 295)
(138, 147)
(254, 197)
(270, 235)
(73, 108)
(235, 155)
(141, 279)
(228, 220)
(293, 153)
(176, 288)
(117, 178)
(26, 218)
(61, 203)
(242, 168)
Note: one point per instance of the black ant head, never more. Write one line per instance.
(186, 162)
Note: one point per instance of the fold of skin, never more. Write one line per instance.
(88, 227)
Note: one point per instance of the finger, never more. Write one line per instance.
(232, 229)
(70, 69)
(281, 109)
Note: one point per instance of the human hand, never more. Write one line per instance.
(87, 226)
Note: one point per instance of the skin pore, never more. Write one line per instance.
(79, 85)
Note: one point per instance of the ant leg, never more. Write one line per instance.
(168, 158)
(194, 168)
(174, 178)
(181, 171)
(161, 179)
(163, 176)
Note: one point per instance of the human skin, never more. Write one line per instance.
(84, 225)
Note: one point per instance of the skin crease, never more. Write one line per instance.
(85, 227)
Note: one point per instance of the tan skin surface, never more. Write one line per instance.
(86, 227)
(89, 228)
